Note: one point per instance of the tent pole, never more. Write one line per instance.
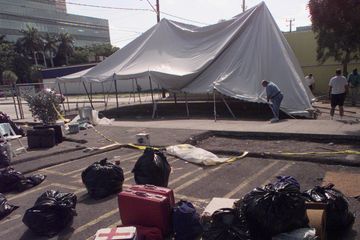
(87, 93)
(137, 89)
(103, 90)
(214, 99)
(187, 106)
(133, 89)
(13, 97)
(59, 86)
(175, 100)
(67, 98)
(116, 91)
(228, 107)
(152, 98)
(91, 92)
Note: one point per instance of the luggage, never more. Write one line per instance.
(41, 138)
(57, 130)
(186, 221)
(167, 192)
(145, 209)
(123, 233)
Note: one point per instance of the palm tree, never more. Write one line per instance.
(31, 42)
(66, 46)
(50, 46)
(2, 39)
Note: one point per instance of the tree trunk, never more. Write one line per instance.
(66, 59)
(43, 54)
(35, 59)
(52, 59)
(345, 63)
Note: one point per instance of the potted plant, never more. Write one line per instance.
(45, 106)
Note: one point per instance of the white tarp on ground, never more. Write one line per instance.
(232, 57)
(196, 155)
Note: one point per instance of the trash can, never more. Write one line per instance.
(85, 113)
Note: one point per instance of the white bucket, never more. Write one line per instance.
(143, 139)
(85, 113)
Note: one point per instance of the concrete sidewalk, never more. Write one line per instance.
(327, 127)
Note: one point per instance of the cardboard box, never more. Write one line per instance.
(120, 233)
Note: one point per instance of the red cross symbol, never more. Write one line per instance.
(114, 233)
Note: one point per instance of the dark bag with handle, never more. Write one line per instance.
(186, 221)
(152, 168)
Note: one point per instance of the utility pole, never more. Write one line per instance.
(291, 22)
(243, 6)
(157, 10)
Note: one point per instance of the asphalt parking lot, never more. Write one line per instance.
(189, 181)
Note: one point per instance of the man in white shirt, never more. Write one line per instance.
(338, 87)
(310, 80)
(274, 95)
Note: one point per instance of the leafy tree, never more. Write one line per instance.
(105, 49)
(50, 47)
(66, 46)
(9, 77)
(80, 56)
(30, 42)
(336, 24)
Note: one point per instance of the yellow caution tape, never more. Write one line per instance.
(60, 116)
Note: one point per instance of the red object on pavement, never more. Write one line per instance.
(145, 209)
(167, 192)
(125, 233)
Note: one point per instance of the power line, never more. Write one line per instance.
(131, 9)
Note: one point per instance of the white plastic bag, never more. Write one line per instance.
(196, 155)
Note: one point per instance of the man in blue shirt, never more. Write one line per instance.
(274, 95)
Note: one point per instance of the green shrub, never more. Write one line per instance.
(45, 105)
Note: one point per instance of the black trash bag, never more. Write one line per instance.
(152, 168)
(103, 179)
(271, 210)
(287, 179)
(338, 214)
(11, 180)
(227, 224)
(53, 211)
(4, 155)
(5, 207)
(4, 118)
(186, 221)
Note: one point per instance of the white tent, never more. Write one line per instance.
(231, 57)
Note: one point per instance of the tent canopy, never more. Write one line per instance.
(231, 56)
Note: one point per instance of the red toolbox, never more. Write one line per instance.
(145, 209)
(156, 190)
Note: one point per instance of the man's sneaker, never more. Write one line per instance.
(274, 120)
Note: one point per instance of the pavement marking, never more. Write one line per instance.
(95, 221)
(128, 155)
(192, 199)
(28, 192)
(198, 178)
(281, 170)
(2, 233)
(184, 176)
(11, 218)
(74, 188)
(250, 179)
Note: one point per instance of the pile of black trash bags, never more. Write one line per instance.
(104, 178)
(14, 181)
(52, 212)
(276, 208)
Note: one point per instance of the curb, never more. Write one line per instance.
(324, 160)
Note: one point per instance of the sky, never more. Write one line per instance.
(126, 25)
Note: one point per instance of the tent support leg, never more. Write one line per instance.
(175, 99)
(187, 106)
(116, 93)
(137, 89)
(87, 93)
(214, 99)
(103, 91)
(91, 91)
(152, 99)
(67, 98)
(133, 89)
(228, 107)
(59, 86)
